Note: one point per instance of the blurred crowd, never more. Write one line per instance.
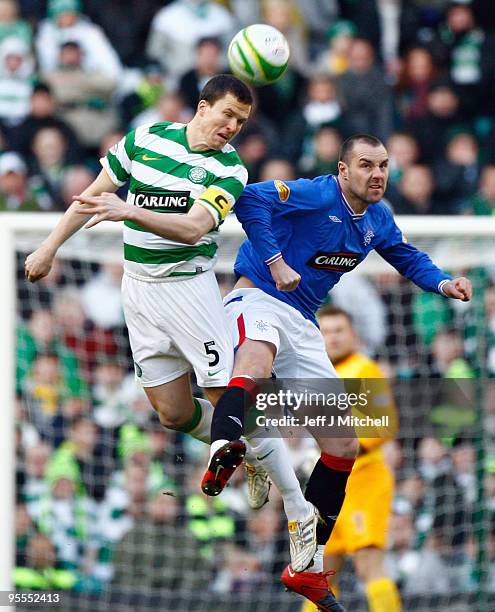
(107, 500)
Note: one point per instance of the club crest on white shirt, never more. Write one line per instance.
(197, 174)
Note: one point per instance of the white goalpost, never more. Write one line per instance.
(18, 230)
(7, 408)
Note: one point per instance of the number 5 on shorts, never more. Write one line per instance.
(211, 352)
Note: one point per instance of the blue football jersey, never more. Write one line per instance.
(310, 224)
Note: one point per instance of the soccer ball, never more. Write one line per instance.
(258, 54)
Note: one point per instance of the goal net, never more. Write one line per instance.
(103, 504)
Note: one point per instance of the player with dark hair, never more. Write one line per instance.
(183, 180)
(348, 145)
(302, 236)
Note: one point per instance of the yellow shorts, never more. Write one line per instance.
(363, 520)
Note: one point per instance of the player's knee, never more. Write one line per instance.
(350, 447)
(255, 358)
(170, 418)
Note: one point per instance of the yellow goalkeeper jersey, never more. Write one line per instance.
(381, 403)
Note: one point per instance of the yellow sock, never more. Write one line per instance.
(383, 596)
(308, 606)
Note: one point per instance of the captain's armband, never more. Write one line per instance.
(218, 199)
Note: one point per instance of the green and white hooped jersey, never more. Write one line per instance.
(166, 176)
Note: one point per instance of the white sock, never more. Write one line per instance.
(216, 445)
(202, 431)
(273, 455)
(317, 566)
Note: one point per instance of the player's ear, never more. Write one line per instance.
(202, 105)
(342, 166)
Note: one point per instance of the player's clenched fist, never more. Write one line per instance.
(459, 289)
(38, 264)
(286, 279)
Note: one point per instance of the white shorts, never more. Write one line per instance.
(174, 325)
(300, 347)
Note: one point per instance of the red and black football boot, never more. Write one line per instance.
(313, 586)
(222, 465)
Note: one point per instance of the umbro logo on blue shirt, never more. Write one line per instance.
(334, 219)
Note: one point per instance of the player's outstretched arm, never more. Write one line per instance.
(417, 266)
(39, 263)
(187, 228)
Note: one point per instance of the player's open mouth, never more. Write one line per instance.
(223, 137)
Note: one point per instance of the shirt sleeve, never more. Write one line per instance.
(254, 211)
(410, 261)
(220, 196)
(260, 201)
(117, 161)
